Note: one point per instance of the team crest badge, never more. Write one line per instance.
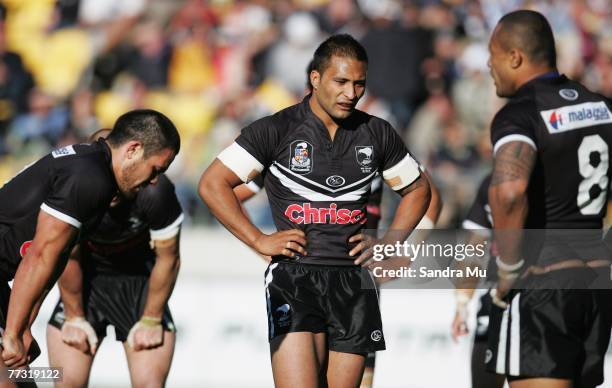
(365, 157)
(301, 157)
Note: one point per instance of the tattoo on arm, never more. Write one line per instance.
(514, 161)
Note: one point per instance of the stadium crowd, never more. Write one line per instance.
(69, 67)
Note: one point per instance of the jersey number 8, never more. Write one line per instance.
(593, 167)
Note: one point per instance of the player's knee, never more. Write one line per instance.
(148, 379)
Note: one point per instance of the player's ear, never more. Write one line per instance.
(315, 79)
(516, 58)
(134, 149)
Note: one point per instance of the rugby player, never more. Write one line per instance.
(246, 191)
(121, 274)
(46, 205)
(551, 173)
(478, 222)
(320, 158)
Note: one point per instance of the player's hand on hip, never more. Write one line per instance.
(79, 334)
(363, 248)
(147, 333)
(13, 352)
(287, 242)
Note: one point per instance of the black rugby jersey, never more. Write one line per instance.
(479, 220)
(120, 243)
(372, 206)
(74, 184)
(571, 129)
(479, 216)
(316, 184)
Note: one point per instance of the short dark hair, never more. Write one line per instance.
(342, 45)
(309, 68)
(152, 128)
(530, 32)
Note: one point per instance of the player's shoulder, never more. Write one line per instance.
(517, 107)
(92, 161)
(85, 152)
(371, 121)
(280, 121)
(379, 127)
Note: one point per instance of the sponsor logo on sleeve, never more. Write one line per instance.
(568, 118)
(64, 151)
(301, 157)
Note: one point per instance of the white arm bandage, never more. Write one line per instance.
(402, 174)
(243, 164)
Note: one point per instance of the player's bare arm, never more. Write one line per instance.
(148, 332)
(216, 189)
(34, 275)
(71, 285)
(244, 193)
(76, 331)
(413, 205)
(435, 203)
(512, 169)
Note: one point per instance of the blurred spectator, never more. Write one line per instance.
(46, 120)
(109, 20)
(474, 84)
(396, 54)
(149, 61)
(15, 85)
(82, 122)
(598, 75)
(340, 16)
(70, 66)
(289, 58)
(192, 65)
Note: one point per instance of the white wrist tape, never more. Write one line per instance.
(496, 300)
(139, 325)
(507, 275)
(82, 324)
(509, 267)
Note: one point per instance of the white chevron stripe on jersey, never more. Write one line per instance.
(366, 179)
(312, 195)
